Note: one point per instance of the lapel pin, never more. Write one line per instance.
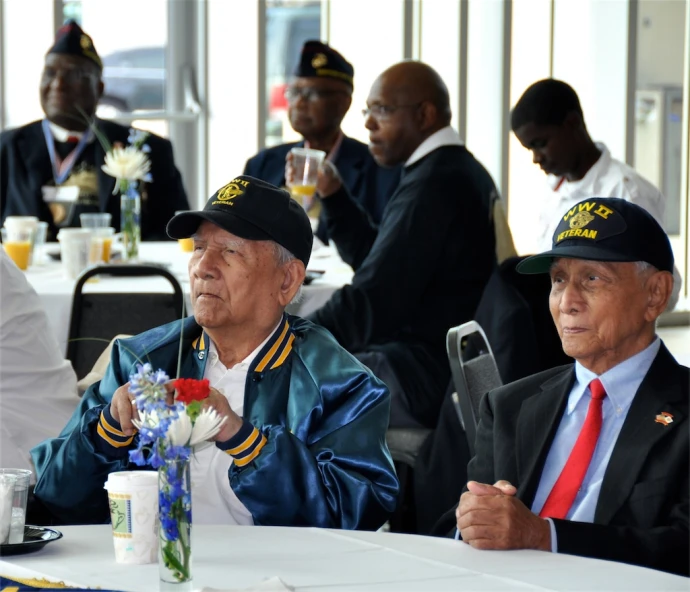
(664, 418)
(201, 357)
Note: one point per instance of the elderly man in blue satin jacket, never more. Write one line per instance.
(304, 439)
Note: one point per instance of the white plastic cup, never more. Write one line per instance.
(76, 250)
(21, 225)
(38, 255)
(105, 237)
(20, 493)
(133, 500)
(98, 220)
(306, 163)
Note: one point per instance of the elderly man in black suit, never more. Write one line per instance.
(318, 98)
(591, 459)
(52, 168)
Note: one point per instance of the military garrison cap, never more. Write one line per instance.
(71, 40)
(606, 229)
(322, 61)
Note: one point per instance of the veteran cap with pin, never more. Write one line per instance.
(319, 60)
(70, 39)
(254, 210)
(605, 229)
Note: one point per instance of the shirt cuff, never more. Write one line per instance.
(109, 438)
(245, 445)
(554, 541)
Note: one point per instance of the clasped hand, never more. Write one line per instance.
(491, 517)
(123, 411)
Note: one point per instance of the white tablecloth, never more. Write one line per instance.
(240, 557)
(56, 291)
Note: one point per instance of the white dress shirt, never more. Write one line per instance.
(213, 500)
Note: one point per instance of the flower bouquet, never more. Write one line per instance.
(129, 165)
(169, 429)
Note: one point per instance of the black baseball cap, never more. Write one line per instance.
(255, 210)
(606, 229)
(319, 60)
(70, 39)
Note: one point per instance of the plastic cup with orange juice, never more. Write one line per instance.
(305, 163)
(17, 244)
(186, 244)
(105, 235)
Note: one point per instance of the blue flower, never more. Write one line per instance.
(137, 456)
(169, 525)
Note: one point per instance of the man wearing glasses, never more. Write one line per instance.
(318, 98)
(52, 168)
(424, 268)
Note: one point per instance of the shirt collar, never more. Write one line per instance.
(446, 136)
(620, 382)
(213, 352)
(60, 134)
(595, 172)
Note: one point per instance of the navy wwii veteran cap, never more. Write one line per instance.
(606, 229)
(322, 61)
(255, 210)
(71, 40)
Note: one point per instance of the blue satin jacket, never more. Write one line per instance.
(321, 457)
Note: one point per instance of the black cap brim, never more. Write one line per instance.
(185, 224)
(541, 263)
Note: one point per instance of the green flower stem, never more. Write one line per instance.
(130, 224)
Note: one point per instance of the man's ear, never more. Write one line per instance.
(428, 115)
(659, 289)
(293, 278)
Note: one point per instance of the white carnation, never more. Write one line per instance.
(129, 163)
(206, 426)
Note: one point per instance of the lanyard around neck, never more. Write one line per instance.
(62, 168)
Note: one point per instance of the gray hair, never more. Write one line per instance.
(283, 256)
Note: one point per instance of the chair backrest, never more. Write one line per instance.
(98, 317)
(474, 373)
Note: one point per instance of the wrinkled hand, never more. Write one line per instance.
(328, 179)
(491, 517)
(122, 409)
(232, 424)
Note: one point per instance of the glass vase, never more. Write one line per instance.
(130, 223)
(175, 511)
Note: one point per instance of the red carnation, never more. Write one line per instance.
(190, 389)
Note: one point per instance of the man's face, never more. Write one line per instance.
(235, 283)
(69, 83)
(316, 106)
(553, 147)
(393, 124)
(601, 310)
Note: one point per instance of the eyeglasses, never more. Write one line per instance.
(293, 94)
(379, 111)
(69, 75)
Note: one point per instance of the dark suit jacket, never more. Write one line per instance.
(370, 184)
(25, 167)
(642, 513)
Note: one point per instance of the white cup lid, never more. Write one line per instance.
(128, 480)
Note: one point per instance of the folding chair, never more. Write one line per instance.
(98, 317)
(474, 373)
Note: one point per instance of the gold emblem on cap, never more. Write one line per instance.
(85, 42)
(319, 60)
(664, 418)
(230, 191)
(581, 219)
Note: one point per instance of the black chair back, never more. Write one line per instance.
(98, 317)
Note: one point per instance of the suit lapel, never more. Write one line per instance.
(640, 433)
(537, 423)
(33, 151)
(106, 183)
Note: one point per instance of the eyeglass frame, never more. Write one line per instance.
(311, 95)
(386, 111)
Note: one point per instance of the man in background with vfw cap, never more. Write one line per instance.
(318, 98)
(52, 168)
(591, 459)
(301, 413)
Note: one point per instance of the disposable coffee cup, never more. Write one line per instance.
(75, 250)
(133, 500)
(18, 480)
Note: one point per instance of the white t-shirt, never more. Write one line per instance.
(213, 500)
(607, 178)
(38, 387)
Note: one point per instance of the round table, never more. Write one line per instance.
(260, 558)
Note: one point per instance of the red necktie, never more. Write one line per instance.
(570, 480)
(72, 140)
